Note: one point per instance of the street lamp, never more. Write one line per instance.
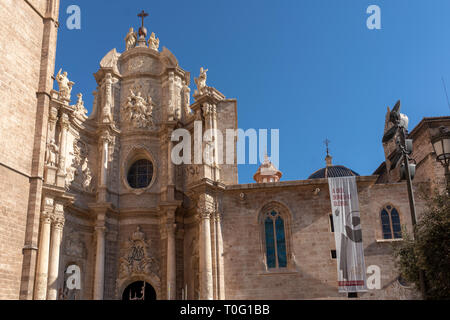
(441, 146)
(399, 130)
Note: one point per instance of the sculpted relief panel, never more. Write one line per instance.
(140, 105)
(138, 111)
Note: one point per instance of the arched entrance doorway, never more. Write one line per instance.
(139, 290)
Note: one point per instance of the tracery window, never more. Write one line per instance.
(275, 240)
(390, 223)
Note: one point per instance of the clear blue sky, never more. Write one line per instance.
(310, 68)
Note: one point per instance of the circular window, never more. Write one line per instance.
(140, 174)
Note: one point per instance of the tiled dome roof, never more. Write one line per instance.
(333, 172)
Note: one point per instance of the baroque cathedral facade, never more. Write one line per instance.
(98, 196)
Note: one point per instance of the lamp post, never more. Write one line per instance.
(404, 149)
(441, 146)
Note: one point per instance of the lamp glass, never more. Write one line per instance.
(446, 146)
(438, 148)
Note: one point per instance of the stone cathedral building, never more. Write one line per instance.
(97, 195)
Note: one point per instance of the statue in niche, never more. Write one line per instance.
(64, 84)
(138, 111)
(51, 156)
(131, 39)
(80, 110)
(86, 176)
(201, 81)
(79, 174)
(153, 42)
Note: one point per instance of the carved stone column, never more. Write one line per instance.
(99, 280)
(106, 112)
(170, 168)
(56, 236)
(62, 143)
(106, 143)
(171, 262)
(210, 114)
(219, 262)
(205, 255)
(104, 140)
(40, 289)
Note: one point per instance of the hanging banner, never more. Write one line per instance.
(348, 234)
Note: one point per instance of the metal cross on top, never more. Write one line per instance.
(327, 143)
(143, 15)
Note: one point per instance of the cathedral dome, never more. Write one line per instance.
(331, 171)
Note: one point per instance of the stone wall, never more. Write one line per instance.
(313, 273)
(23, 72)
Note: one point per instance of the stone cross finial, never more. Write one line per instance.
(328, 158)
(327, 144)
(142, 29)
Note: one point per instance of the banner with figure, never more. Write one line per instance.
(348, 234)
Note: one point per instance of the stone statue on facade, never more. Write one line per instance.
(201, 81)
(138, 111)
(86, 176)
(80, 110)
(64, 84)
(51, 156)
(131, 39)
(153, 42)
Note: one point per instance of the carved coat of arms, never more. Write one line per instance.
(137, 261)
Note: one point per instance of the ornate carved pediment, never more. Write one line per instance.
(137, 260)
(138, 111)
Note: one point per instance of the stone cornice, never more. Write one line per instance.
(364, 180)
(205, 185)
(433, 122)
(102, 72)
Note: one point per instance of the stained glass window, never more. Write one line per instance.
(275, 238)
(386, 225)
(390, 223)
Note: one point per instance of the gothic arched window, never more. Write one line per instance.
(390, 223)
(275, 240)
(140, 174)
